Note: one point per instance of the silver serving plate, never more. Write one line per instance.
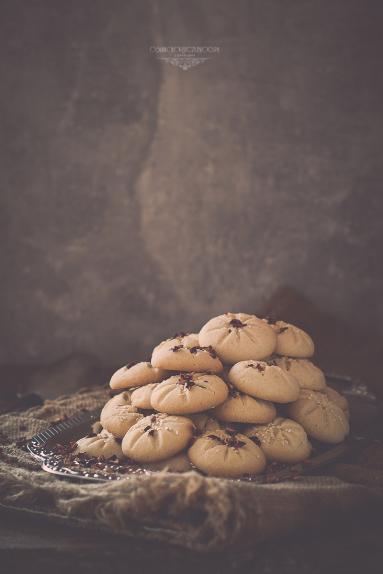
(44, 447)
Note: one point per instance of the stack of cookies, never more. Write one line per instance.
(226, 401)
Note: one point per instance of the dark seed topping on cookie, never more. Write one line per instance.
(212, 352)
(255, 439)
(209, 349)
(235, 443)
(195, 349)
(149, 430)
(237, 324)
(186, 380)
(257, 366)
(282, 330)
(231, 440)
(130, 365)
(153, 419)
(176, 348)
(180, 335)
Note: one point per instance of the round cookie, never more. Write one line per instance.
(308, 375)
(157, 437)
(264, 380)
(141, 397)
(204, 422)
(136, 375)
(189, 393)
(184, 353)
(118, 415)
(241, 408)
(238, 337)
(321, 418)
(178, 463)
(103, 444)
(226, 453)
(292, 341)
(338, 399)
(282, 440)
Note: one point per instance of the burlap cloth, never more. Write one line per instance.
(188, 510)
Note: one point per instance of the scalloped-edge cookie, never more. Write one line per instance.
(103, 444)
(227, 454)
(189, 393)
(282, 440)
(238, 337)
(136, 375)
(264, 380)
(157, 437)
(308, 375)
(184, 353)
(321, 418)
(242, 408)
(118, 415)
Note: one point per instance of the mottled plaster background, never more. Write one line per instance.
(139, 199)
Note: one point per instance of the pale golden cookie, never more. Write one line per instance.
(118, 415)
(292, 341)
(178, 463)
(308, 375)
(103, 444)
(136, 375)
(241, 408)
(204, 422)
(157, 437)
(238, 337)
(141, 397)
(184, 353)
(338, 399)
(189, 393)
(282, 440)
(264, 380)
(226, 453)
(320, 417)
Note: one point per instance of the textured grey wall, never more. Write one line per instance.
(138, 199)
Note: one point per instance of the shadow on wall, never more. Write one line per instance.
(62, 377)
(341, 347)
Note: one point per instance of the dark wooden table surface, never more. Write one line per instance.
(34, 545)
